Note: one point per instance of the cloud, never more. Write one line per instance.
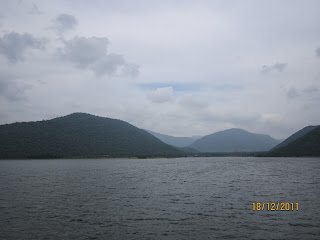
(35, 10)
(292, 93)
(311, 90)
(178, 86)
(114, 64)
(318, 52)
(11, 89)
(161, 95)
(278, 67)
(65, 22)
(188, 101)
(92, 53)
(84, 51)
(15, 45)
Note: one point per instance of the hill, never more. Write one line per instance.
(307, 145)
(234, 140)
(295, 136)
(79, 135)
(174, 141)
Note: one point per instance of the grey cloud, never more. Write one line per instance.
(35, 10)
(65, 22)
(131, 69)
(92, 53)
(11, 89)
(292, 93)
(305, 93)
(108, 64)
(113, 64)
(236, 119)
(84, 51)
(318, 52)
(311, 90)
(278, 67)
(15, 45)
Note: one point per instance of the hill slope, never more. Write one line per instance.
(79, 135)
(307, 145)
(234, 140)
(295, 136)
(174, 141)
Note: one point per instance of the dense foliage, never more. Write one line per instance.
(295, 136)
(307, 145)
(80, 135)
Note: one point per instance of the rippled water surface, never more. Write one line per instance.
(192, 198)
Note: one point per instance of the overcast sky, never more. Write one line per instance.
(180, 68)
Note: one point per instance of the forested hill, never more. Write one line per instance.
(80, 135)
(307, 145)
(295, 136)
(234, 140)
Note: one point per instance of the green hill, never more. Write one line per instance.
(79, 135)
(234, 140)
(295, 136)
(307, 145)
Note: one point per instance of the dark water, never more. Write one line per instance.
(193, 198)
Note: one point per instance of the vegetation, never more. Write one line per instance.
(234, 140)
(307, 145)
(80, 135)
(295, 136)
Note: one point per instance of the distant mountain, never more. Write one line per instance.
(234, 140)
(79, 135)
(295, 136)
(304, 143)
(174, 141)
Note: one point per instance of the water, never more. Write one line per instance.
(192, 198)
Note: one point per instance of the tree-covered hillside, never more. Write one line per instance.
(234, 140)
(295, 136)
(79, 135)
(308, 145)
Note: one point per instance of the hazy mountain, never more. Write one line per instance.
(295, 136)
(304, 143)
(79, 135)
(174, 141)
(234, 140)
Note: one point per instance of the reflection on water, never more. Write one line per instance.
(192, 198)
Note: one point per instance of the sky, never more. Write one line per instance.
(181, 68)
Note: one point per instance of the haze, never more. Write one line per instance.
(180, 68)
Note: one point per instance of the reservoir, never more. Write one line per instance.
(183, 198)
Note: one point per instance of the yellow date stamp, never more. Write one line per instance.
(275, 206)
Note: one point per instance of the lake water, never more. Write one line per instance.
(192, 198)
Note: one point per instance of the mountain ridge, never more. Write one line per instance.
(295, 136)
(304, 143)
(234, 140)
(79, 135)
